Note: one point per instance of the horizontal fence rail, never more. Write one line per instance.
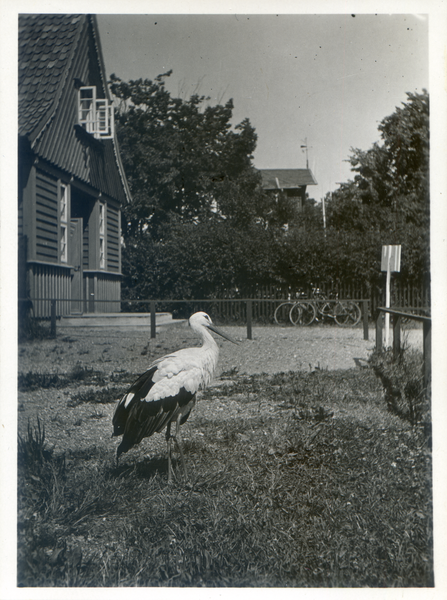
(241, 309)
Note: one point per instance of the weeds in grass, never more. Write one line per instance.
(34, 380)
(326, 488)
(95, 396)
(119, 376)
(30, 329)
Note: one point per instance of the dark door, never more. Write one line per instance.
(75, 260)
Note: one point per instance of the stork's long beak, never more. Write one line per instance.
(221, 333)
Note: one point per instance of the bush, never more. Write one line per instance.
(402, 379)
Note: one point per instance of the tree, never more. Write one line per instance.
(388, 200)
(199, 223)
(181, 157)
(198, 260)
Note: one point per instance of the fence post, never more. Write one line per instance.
(379, 332)
(365, 320)
(249, 315)
(53, 318)
(396, 335)
(153, 327)
(427, 352)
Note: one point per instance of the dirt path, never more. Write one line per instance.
(272, 349)
(107, 354)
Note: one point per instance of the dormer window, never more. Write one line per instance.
(95, 115)
(102, 236)
(63, 212)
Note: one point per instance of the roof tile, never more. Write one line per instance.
(45, 43)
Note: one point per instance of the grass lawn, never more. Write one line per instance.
(295, 479)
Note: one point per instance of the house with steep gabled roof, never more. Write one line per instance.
(71, 180)
(292, 182)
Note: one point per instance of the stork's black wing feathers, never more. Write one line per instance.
(136, 418)
(147, 418)
(140, 388)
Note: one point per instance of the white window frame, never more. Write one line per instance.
(102, 215)
(102, 234)
(63, 202)
(102, 253)
(95, 115)
(63, 222)
(63, 242)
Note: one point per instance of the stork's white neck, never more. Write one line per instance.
(207, 339)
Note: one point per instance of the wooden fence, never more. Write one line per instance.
(231, 306)
(257, 305)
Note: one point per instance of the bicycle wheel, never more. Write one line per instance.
(302, 313)
(347, 313)
(325, 308)
(356, 313)
(281, 315)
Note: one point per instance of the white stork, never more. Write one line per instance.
(165, 393)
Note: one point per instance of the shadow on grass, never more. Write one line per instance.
(143, 469)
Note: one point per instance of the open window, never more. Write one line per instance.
(102, 240)
(95, 115)
(63, 212)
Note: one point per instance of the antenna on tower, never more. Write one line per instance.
(305, 147)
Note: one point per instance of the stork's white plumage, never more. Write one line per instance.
(165, 393)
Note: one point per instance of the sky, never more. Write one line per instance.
(315, 80)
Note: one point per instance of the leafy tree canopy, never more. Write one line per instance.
(389, 196)
(393, 175)
(183, 157)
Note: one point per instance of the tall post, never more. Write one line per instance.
(387, 305)
(390, 262)
(249, 317)
(427, 352)
(152, 319)
(324, 215)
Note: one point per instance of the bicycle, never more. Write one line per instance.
(302, 313)
(282, 312)
(347, 313)
(344, 312)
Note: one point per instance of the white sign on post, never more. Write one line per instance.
(390, 263)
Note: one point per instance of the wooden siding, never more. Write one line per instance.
(113, 239)
(49, 282)
(102, 292)
(85, 246)
(46, 218)
(20, 218)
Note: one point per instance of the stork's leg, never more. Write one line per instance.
(169, 443)
(178, 441)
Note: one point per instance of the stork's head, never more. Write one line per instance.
(200, 320)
